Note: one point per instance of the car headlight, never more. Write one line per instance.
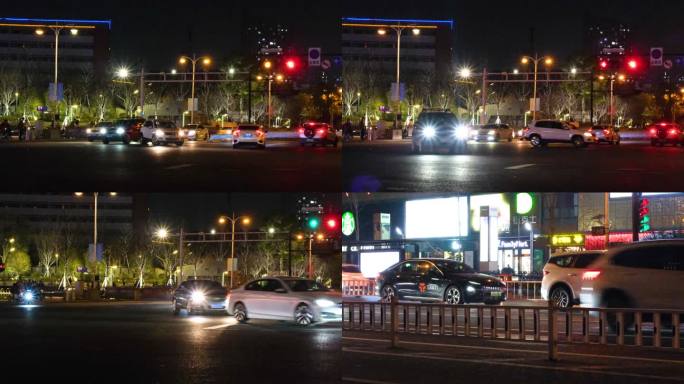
(159, 133)
(461, 132)
(120, 131)
(192, 132)
(181, 133)
(197, 296)
(324, 303)
(89, 131)
(491, 132)
(103, 131)
(429, 132)
(470, 289)
(588, 134)
(28, 296)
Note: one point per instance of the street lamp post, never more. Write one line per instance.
(548, 60)
(233, 219)
(194, 59)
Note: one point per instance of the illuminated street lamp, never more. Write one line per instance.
(621, 78)
(233, 219)
(122, 73)
(465, 72)
(271, 77)
(194, 59)
(548, 60)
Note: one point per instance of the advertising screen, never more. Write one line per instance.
(372, 263)
(434, 218)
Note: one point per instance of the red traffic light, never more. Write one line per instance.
(633, 64)
(331, 223)
(603, 64)
(291, 64)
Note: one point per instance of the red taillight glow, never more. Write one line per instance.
(321, 131)
(546, 272)
(673, 132)
(590, 275)
(653, 131)
(606, 132)
(301, 130)
(236, 132)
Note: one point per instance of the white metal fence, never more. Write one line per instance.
(523, 290)
(615, 326)
(365, 287)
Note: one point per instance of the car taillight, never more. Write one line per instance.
(546, 272)
(606, 132)
(321, 131)
(653, 131)
(590, 130)
(301, 130)
(673, 132)
(259, 132)
(236, 132)
(590, 275)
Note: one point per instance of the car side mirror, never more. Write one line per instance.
(280, 290)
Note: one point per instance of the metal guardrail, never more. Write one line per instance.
(615, 326)
(364, 287)
(523, 290)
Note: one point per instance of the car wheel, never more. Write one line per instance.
(453, 295)
(303, 315)
(240, 313)
(578, 142)
(105, 141)
(176, 308)
(536, 141)
(387, 294)
(560, 297)
(179, 143)
(617, 300)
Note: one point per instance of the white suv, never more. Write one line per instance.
(541, 132)
(642, 275)
(562, 279)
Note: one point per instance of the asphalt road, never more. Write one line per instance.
(283, 166)
(369, 358)
(516, 166)
(145, 343)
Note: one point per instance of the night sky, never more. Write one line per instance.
(498, 31)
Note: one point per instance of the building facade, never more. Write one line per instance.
(21, 47)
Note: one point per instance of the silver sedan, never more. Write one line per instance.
(285, 298)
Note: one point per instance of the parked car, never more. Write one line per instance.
(439, 280)
(647, 274)
(196, 132)
(199, 296)
(492, 132)
(249, 134)
(436, 129)
(161, 133)
(606, 134)
(542, 132)
(562, 279)
(285, 298)
(665, 133)
(317, 133)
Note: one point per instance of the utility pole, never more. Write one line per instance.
(636, 202)
(142, 92)
(180, 256)
(289, 253)
(606, 216)
(483, 115)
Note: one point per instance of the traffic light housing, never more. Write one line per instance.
(291, 64)
(644, 216)
(332, 223)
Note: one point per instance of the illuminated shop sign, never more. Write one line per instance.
(514, 244)
(568, 240)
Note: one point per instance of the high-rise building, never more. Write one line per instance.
(30, 44)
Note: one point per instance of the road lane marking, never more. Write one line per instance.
(357, 380)
(509, 364)
(521, 166)
(645, 359)
(230, 324)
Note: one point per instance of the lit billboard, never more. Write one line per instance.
(435, 218)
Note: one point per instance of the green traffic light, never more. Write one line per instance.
(314, 222)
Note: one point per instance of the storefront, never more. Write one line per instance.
(514, 252)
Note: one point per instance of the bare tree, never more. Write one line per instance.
(10, 84)
(168, 259)
(127, 96)
(47, 245)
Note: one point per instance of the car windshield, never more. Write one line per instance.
(453, 266)
(248, 127)
(351, 269)
(167, 124)
(438, 119)
(103, 124)
(298, 285)
(204, 285)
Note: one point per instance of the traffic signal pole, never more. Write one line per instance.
(636, 202)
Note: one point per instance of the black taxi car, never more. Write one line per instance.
(439, 280)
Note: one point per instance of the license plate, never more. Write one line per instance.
(496, 294)
(217, 306)
(248, 135)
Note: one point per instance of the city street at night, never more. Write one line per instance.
(390, 166)
(144, 342)
(79, 165)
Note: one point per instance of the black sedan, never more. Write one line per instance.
(439, 280)
(199, 296)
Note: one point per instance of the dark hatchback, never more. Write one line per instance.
(199, 296)
(439, 280)
(124, 130)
